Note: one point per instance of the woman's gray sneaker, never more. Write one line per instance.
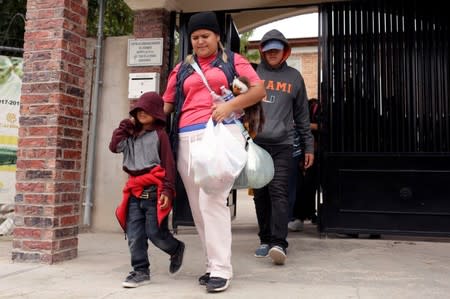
(262, 250)
(136, 279)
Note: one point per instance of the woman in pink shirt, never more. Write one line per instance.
(210, 213)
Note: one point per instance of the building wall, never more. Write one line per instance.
(113, 106)
(308, 69)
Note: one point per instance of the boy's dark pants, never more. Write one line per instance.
(271, 201)
(142, 225)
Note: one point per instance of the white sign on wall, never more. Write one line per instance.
(145, 52)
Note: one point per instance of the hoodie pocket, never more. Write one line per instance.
(274, 131)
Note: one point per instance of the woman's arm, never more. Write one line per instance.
(168, 108)
(169, 93)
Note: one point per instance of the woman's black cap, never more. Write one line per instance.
(203, 20)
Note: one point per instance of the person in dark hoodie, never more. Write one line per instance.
(285, 108)
(148, 193)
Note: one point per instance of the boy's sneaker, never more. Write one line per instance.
(278, 255)
(295, 225)
(203, 280)
(217, 284)
(136, 279)
(176, 260)
(262, 250)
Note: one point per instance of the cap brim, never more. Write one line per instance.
(273, 45)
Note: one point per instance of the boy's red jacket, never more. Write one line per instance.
(135, 185)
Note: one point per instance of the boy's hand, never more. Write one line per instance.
(309, 160)
(164, 201)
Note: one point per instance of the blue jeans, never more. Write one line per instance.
(271, 201)
(142, 224)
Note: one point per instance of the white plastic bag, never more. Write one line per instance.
(217, 159)
(258, 170)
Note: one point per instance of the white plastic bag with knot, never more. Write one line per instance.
(258, 170)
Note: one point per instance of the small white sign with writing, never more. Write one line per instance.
(145, 51)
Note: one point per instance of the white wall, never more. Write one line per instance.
(113, 106)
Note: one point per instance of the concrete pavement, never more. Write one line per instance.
(316, 268)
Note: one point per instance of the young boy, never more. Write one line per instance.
(148, 193)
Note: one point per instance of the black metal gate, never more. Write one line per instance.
(385, 141)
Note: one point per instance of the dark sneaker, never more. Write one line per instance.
(278, 255)
(203, 280)
(262, 250)
(136, 279)
(217, 284)
(176, 260)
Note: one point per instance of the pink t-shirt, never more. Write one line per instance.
(198, 102)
